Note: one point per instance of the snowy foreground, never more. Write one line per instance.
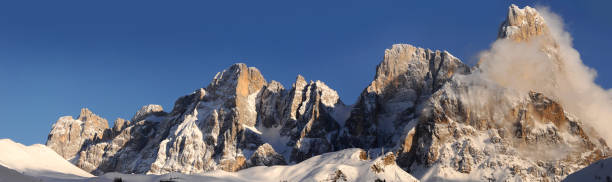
(598, 171)
(35, 160)
(39, 163)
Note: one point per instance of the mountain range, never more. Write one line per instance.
(425, 116)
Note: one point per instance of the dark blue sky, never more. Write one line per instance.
(115, 56)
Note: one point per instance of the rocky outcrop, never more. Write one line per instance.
(68, 135)
(380, 163)
(120, 125)
(266, 156)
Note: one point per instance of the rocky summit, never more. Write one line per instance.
(434, 114)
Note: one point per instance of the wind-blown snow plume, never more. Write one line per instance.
(549, 64)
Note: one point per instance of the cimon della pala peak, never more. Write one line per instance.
(424, 108)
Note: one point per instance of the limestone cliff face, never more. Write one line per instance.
(69, 135)
(243, 83)
(310, 123)
(405, 77)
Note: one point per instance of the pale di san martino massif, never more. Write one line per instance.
(426, 116)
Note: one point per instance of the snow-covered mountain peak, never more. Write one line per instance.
(238, 79)
(239, 84)
(148, 110)
(522, 24)
(274, 85)
(404, 61)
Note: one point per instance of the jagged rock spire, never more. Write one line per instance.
(68, 135)
(522, 24)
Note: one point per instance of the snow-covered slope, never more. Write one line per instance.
(32, 163)
(9, 175)
(344, 165)
(37, 160)
(598, 171)
(348, 164)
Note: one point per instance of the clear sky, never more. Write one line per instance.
(116, 56)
